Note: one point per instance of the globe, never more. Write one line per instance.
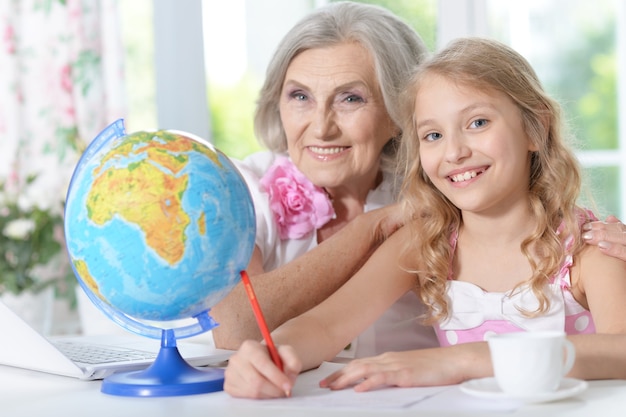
(158, 226)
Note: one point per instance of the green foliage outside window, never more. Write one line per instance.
(232, 117)
(586, 85)
(421, 15)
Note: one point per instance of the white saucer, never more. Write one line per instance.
(488, 388)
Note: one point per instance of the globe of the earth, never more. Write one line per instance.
(158, 226)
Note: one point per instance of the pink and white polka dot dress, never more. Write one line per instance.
(475, 314)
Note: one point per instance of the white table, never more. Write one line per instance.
(29, 394)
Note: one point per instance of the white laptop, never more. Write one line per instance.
(95, 357)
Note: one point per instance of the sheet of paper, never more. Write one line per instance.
(308, 394)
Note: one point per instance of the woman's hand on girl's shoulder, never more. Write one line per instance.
(609, 236)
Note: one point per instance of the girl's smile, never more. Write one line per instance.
(466, 175)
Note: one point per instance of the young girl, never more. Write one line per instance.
(492, 241)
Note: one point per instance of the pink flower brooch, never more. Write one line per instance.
(299, 206)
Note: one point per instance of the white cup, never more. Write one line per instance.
(528, 363)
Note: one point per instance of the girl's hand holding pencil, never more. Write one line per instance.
(259, 371)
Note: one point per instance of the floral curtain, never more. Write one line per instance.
(61, 82)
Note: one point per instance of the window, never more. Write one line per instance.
(577, 47)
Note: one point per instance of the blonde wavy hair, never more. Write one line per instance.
(555, 177)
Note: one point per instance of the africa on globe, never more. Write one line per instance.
(158, 224)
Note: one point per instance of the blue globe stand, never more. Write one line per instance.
(169, 375)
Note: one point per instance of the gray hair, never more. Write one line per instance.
(395, 48)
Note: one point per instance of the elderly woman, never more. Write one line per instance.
(328, 115)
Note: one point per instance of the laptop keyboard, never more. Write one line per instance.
(93, 354)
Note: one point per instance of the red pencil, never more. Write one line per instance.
(261, 321)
